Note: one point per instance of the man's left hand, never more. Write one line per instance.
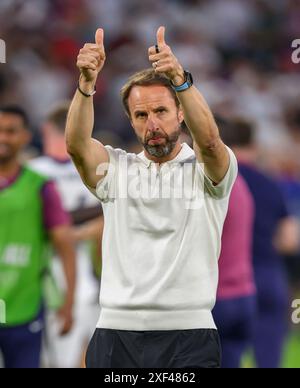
(165, 61)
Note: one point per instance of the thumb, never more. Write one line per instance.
(161, 36)
(99, 37)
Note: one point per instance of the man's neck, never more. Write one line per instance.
(165, 159)
(9, 169)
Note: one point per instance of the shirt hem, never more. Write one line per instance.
(144, 320)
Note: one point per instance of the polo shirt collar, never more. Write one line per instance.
(186, 153)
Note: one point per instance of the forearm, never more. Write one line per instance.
(89, 231)
(87, 153)
(68, 260)
(199, 120)
(65, 314)
(80, 122)
(287, 237)
(208, 145)
(63, 244)
(82, 216)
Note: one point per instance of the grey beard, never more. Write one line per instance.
(5, 160)
(160, 151)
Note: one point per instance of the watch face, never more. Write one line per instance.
(189, 78)
(187, 83)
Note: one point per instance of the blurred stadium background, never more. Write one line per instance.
(238, 51)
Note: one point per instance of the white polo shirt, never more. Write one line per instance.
(161, 243)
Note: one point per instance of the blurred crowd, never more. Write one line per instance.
(240, 54)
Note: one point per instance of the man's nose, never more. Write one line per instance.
(152, 125)
(3, 137)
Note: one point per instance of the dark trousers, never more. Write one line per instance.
(271, 323)
(21, 345)
(154, 349)
(235, 319)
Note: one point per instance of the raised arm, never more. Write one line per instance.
(86, 152)
(199, 119)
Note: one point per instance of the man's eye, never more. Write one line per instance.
(162, 110)
(11, 131)
(141, 115)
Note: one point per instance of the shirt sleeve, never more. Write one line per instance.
(224, 188)
(54, 214)
(107, 187)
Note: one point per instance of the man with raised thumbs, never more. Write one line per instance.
(164, 212)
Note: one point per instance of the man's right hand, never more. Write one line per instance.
(86, 152)
(91, 59)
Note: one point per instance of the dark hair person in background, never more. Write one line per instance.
(85, 211)
(235, 309)
(31, 214)
(290, 185)
(275, 234)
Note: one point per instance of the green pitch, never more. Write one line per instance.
(291, 357)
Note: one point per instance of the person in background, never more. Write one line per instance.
(235, 309)
(85, 212)
(275, 234)
(31, 215)
(290, 185)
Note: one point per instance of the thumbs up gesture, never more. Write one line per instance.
(164, 61)
(92, 57)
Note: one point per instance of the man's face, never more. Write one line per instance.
(13, 137)
(155, 118)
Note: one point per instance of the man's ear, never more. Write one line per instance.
(180, 115)
(128, 115)
(130, 119)
(27, 137)
(131, 122)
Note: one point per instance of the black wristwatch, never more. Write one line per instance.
(189, 82)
